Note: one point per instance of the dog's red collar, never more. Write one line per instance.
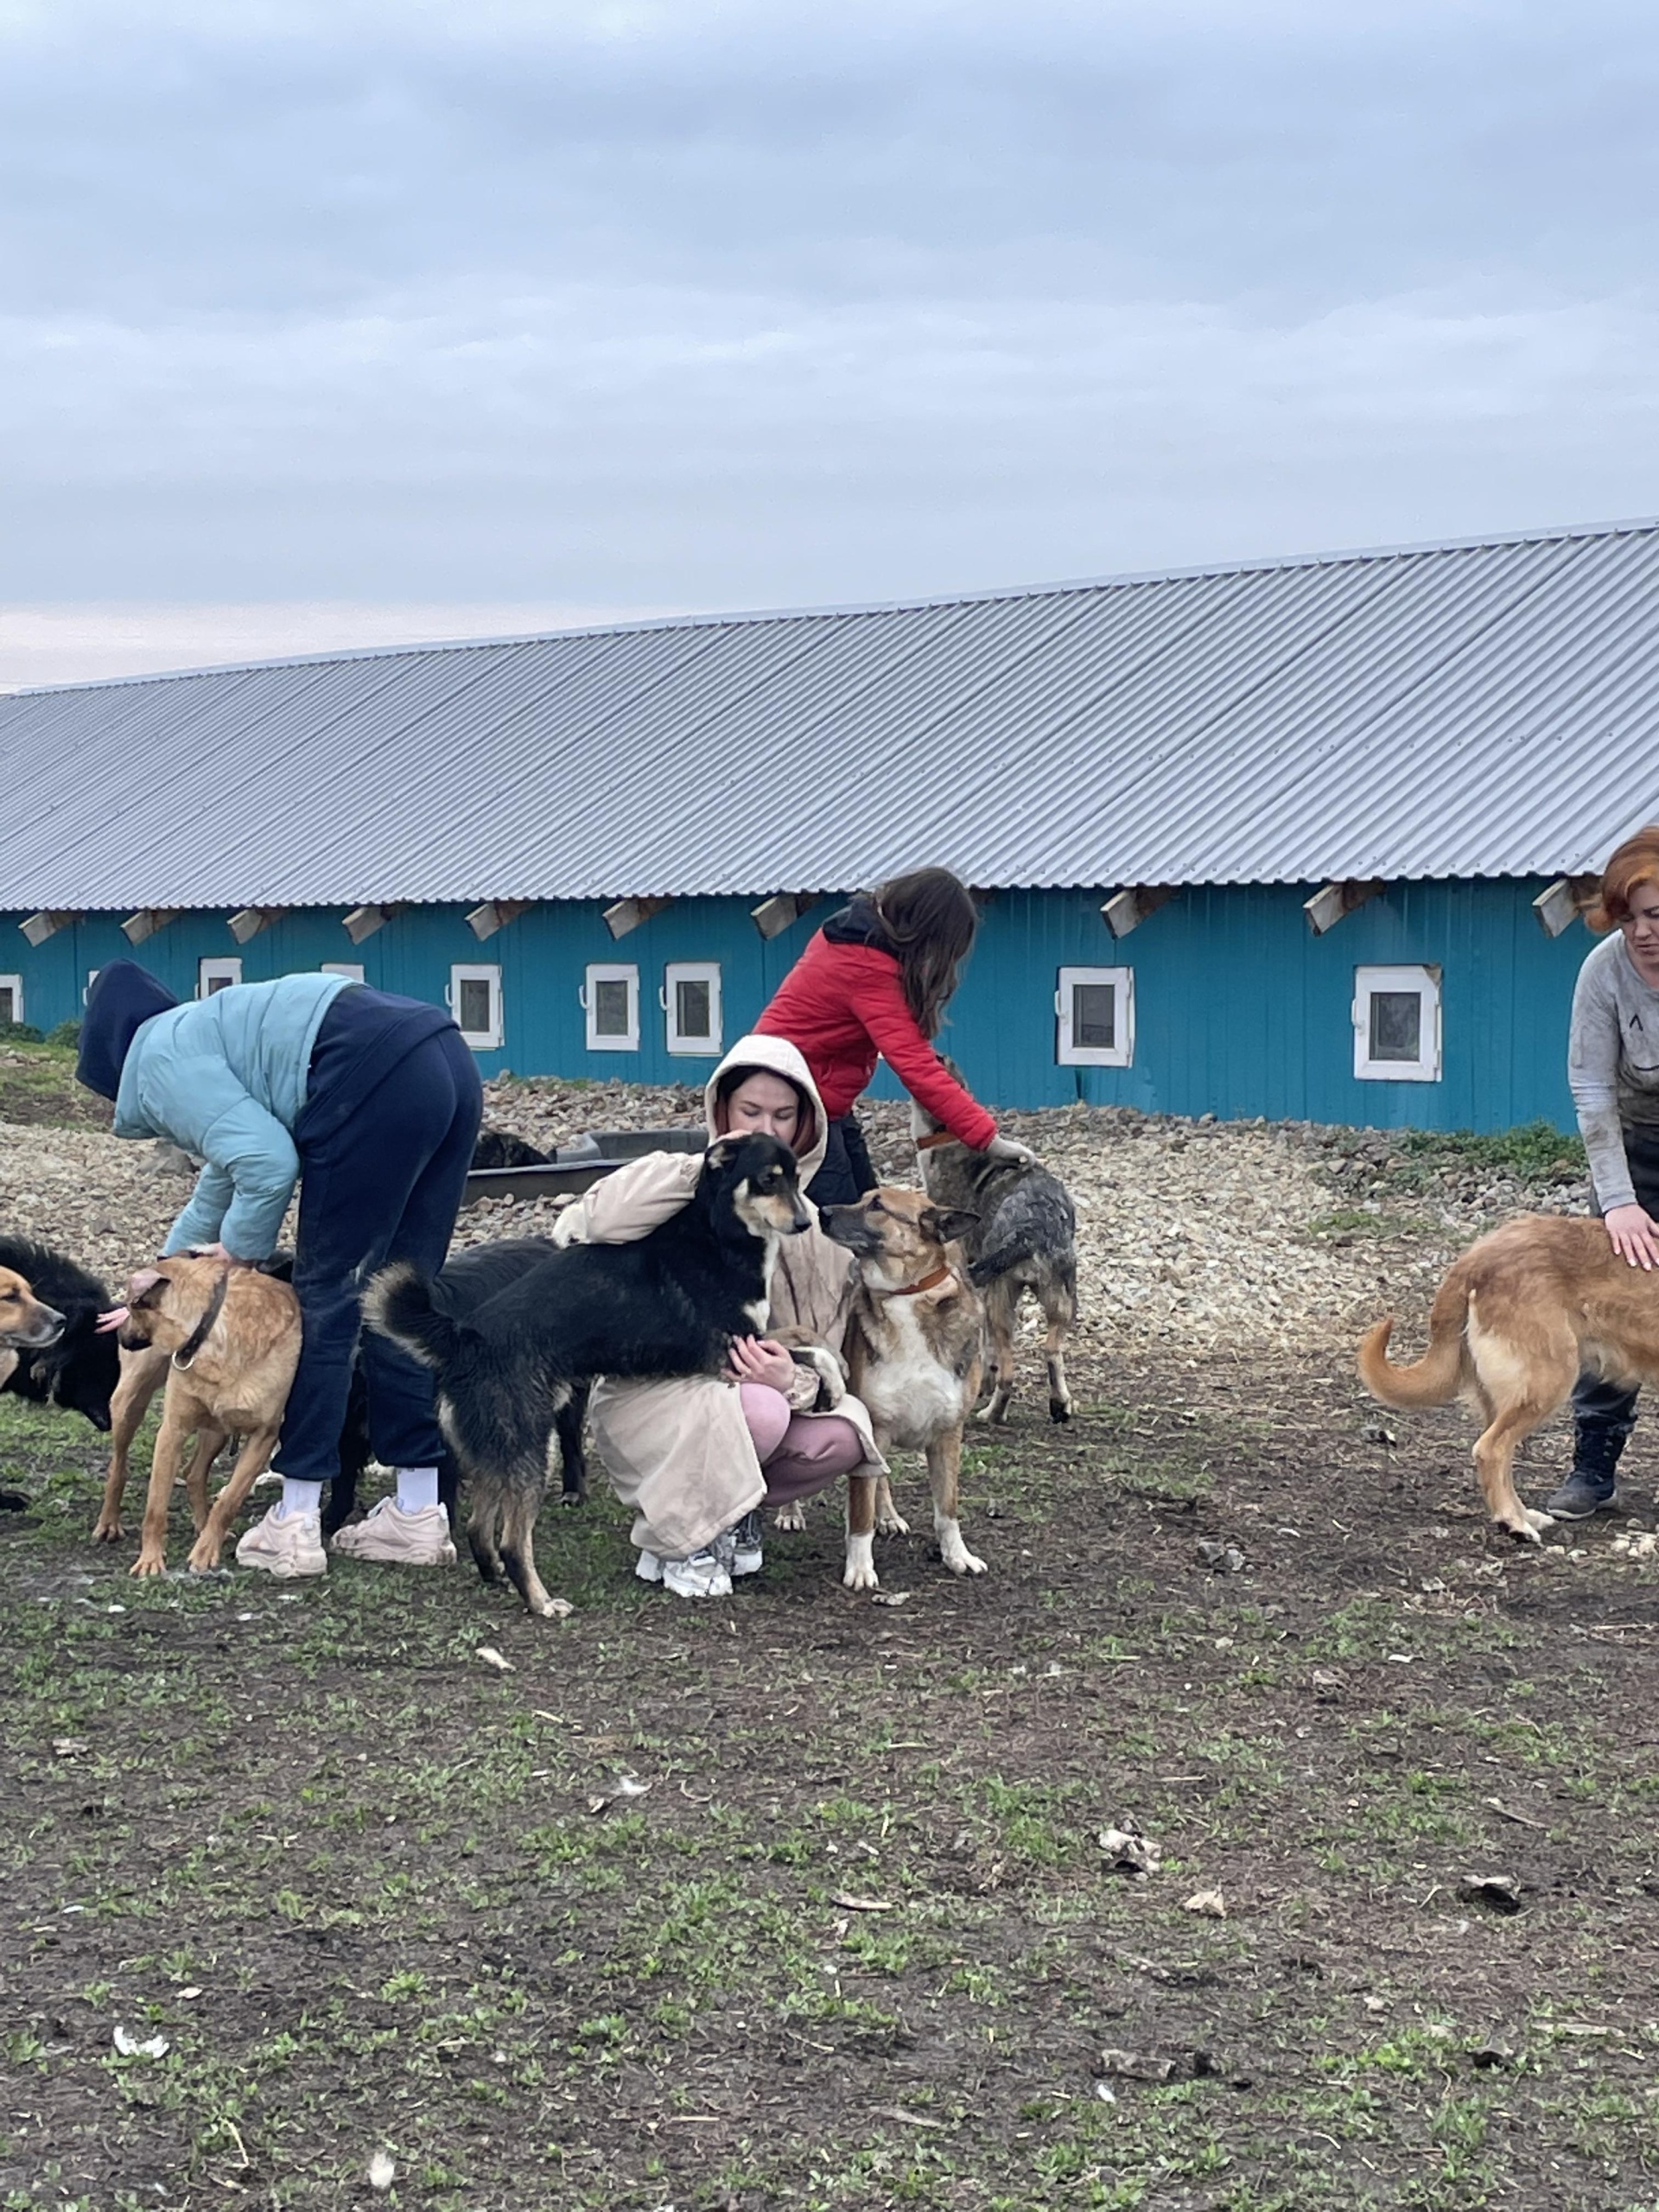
(938, 1137)
(927, 1282)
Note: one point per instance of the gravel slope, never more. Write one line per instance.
(1190, 1234)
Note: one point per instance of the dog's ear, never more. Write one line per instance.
(945, 1224)
(722, 1153)
(144, 1287)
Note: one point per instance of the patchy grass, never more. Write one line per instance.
(856, 1946)
(38, 1086)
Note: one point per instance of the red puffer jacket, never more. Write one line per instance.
(841, 1006)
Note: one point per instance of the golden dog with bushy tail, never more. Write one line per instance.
(1515, 1322)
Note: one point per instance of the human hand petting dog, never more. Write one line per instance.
(1634, 1235)
(758, 1359)
(1009, 1149)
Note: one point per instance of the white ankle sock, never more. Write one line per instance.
(298, 1497)
(417, 1488)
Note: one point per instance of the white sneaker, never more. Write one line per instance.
(393, 1538)
(702, 1575)
(747, 1556)
(289, 1548)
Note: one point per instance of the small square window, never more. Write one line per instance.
(691, 1002)
(12, 998)
(610, 998)
(1397, 1015)
(217, 974)
(474, 997)
(1095, 1006)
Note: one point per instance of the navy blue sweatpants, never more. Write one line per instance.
(1604, 1413)
(385, 1184)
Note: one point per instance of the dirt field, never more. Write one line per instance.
(802, 1899)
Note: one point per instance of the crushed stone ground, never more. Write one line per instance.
(1265, 1238)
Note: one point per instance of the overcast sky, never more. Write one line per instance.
(340, 323)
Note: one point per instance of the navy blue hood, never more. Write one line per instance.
(124, 997)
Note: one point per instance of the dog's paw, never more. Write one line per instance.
(1525, 1532)
(996, 1412)
(148, 1563)
(952, 1550)
(860, 1566)
(1059, 1410)
(790, 1518)
(107, 1531)
(1539, 1521)
(892, 1523)
(203, 1558)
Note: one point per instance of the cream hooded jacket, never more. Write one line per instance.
(678, 1452)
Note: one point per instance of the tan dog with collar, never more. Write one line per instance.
(915, 1352)
(234, 1336)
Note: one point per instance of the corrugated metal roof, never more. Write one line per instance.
(1488, 707)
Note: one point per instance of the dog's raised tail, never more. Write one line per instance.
(399, 1304)
(1436, 1378)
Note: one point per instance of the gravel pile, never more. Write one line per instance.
(1194, 1235)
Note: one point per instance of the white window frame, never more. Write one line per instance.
(488, 1039)
(1426, 982)
(351, 970)
(705, 1046)
(611, 972)
(1120, 1055)
(218, 973)
(15, 985)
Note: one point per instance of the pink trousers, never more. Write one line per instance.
(799, 1453)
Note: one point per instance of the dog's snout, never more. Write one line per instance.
(49, 1327)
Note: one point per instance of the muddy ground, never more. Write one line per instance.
(801, 1900)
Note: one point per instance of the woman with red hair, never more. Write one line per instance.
(1613, 1070)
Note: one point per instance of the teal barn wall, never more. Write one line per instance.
(1239, 1010)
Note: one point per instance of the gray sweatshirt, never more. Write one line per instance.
(1612, 1064)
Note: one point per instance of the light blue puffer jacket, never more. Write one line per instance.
(225, 1077)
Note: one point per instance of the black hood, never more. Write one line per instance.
(859, 924)
(121, 1001)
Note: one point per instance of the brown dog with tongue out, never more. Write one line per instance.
(234, 1338)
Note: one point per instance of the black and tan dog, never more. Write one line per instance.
(1515, 1321)
(27, 1323)
(915, 1352)
(73, 1366)
(231, 1337)
(669, 1304)
(1024, 1238)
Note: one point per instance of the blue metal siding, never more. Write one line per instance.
(1239, 1009)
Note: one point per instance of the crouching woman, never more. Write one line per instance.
(696, 1457)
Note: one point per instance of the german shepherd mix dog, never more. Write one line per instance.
(1024, 1238)
(74, 1367)
(915, 1352)
(1515, 1322)
(232, 1338)
(669, 1304)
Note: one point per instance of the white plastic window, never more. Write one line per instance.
(474, 999)
(1096, 1010)
(691, 1002)
(1398, 1025)
(351, 970)
(217, 974)
(610, 998)
(12, 998)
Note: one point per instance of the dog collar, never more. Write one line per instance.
(938, 1137)
(186, 1355)
(927, 1282)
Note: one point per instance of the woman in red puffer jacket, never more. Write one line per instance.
(873, 983)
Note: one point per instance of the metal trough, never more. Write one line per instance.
(576, 1168)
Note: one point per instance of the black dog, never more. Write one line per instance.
(669, 1304)
(79, 1371)
(499, 1148)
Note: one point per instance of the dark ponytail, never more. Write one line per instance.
(930, 919)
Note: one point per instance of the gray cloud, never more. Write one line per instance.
(700, 304)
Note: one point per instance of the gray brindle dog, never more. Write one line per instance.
(1025, 1239)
